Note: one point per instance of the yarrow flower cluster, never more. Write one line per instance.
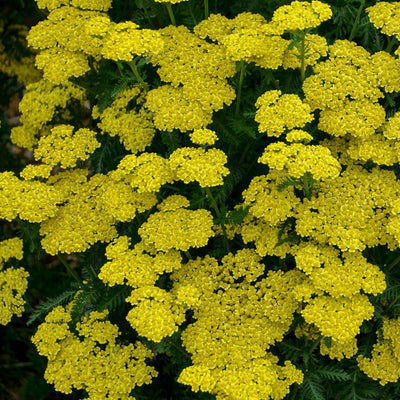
(13, 281)
(216, 216)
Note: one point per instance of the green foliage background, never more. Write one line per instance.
(21, 369)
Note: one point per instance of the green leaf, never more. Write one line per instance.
(312, 389)
(236, 216)
(45, 307)
(332, 373)
(328, 342)
(114, 297)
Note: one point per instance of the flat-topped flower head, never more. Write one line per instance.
(203, 137)
(277, 112)
(300, 15)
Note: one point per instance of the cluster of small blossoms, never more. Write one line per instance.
(65, 147)
(196, 73)
(205, 137)
(116, 120)
(301, 15)
(386, 17)
(298, 159)
(384, 364)
(199, 165)
(177, 228)
(13, 281)
(225, 351)
(317, 207)
(277, 113)
(346, 89)
(40, 108)
(21, 67)
(88, 359)
(82, 219)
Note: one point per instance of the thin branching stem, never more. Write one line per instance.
(206, 9)
(171, 13)
(241, 78)
(393, 302)
(394, 263)
(190, 5)
(390, 45)
(246, 150)
(356, 21)
(133, 67)
(178, 347)
(303, 57)
(90, 270)
(294, 391)
(218, 212)
(71, 271)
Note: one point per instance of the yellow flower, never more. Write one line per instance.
(88, 361)
(277, 112)
(13, 281)
(178, 229)
(297, 159)
(386, 17)
(199, 165)
(153, 315)
(134, 127)
(64, 147)
(203, 137)
(338, 317)
(301, 15)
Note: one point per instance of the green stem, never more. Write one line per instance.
(239, 95)
(393, 302)
(133, 67)
(191, 12)
(148, 15)
(245, 151)
(306, 187)
(353, 30)
(303, 58)
(188, 255)
(271, 78)
(171, 13)
(71, 271)
(394, 263)
(206, 9)
(91, 272)
(294, 392)
(213, 202)
(178, 347)
(391, 43)
(218, 212)
(120, 68)
(18, 365)
(316, 343)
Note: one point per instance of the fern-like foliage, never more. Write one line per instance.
(289, 181)
(236, 216)
(242, 125)
(108, 156)
(44, 308)
(113, 297)
(236, 174)
(360, 387)
(332, 373)
(311, 389)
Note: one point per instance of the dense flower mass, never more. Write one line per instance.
(220, 194)
(86, 359)
(13, 281)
